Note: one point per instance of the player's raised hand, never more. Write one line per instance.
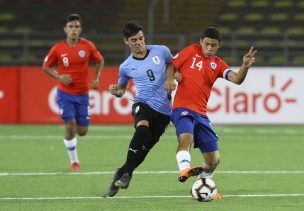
(249, 58)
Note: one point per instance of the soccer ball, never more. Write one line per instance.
(204, 189)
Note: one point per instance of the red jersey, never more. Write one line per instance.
(73, 61)
(199, 74)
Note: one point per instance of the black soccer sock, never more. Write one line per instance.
(142, 158)
(136, 153)
(121, 171)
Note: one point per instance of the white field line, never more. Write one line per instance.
(279, 133)
(145, 197)
(139, 172)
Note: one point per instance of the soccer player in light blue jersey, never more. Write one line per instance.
(151, 110)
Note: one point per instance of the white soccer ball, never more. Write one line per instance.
(204, 189)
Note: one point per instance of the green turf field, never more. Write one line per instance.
(262, 168)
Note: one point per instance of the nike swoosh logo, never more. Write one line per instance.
(133, 150)
(198, 55)
(63, 55)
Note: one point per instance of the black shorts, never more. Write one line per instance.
(158, 122)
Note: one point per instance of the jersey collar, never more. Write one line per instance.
(148, 51)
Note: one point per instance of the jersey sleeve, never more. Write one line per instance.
(123, 78)
(180, 58)
(167, 54)
(51, 58)
(224, 69)
(95, 54)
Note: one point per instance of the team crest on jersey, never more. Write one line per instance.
(213, 65)
(81, 53)
(156, 60)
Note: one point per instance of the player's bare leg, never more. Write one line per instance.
(81, 130)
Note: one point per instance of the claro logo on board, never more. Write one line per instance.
(101, 103)
(270, 100)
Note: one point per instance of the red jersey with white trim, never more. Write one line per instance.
(73, 61)
(199, 74)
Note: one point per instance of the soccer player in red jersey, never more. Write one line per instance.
(199, 68)
(71, 58)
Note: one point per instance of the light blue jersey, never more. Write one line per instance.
(148, 75)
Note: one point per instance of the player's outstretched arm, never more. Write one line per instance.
(117, 90)
(248, 61)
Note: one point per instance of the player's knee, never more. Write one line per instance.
(82, 131)
(147, 140)
(140, 136)
(185, 141)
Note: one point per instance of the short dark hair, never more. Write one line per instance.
(72, 17)
(213, 33)
(130, 29)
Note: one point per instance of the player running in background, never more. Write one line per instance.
(71, 58)
(151, 110)
(200, 68)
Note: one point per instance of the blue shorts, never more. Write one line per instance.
(74, 107)
(187, 121)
